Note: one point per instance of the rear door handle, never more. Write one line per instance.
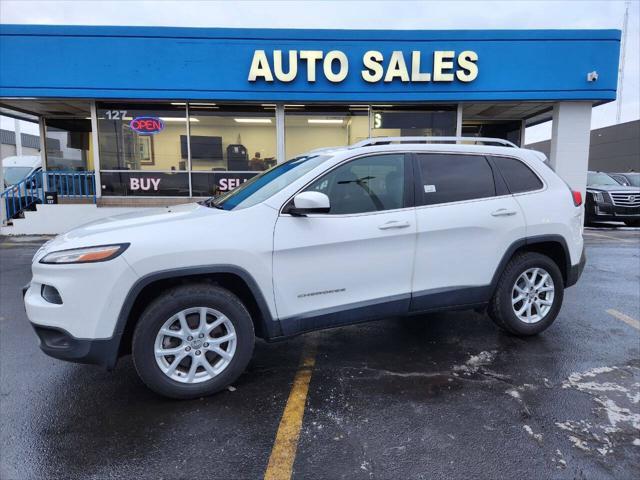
(503, 212)
(393, 224)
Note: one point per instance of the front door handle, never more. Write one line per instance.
(503, 212)
(394, 224)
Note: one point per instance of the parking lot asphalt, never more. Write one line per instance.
(444, 395)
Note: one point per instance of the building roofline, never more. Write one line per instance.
(308, 34)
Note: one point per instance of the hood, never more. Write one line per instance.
(116, 228)
(613, 188)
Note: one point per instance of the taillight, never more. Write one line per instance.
(577, 197)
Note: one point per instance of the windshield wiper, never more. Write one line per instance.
(209, 203)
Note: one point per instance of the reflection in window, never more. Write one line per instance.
(367, 184)
(453, 178)
(237, 138)
(311, 127)
(68, 144)
(410, 121)
(142, 136)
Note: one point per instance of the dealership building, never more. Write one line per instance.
(166, 115)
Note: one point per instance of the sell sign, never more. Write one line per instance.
(147, 125)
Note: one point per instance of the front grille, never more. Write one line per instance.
(626, 199)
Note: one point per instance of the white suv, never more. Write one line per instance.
(383, 228)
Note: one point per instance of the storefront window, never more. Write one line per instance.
(141, 151)
(229, 144)
(308, 127)
(142, 137)
(409, 121)
(68, 144)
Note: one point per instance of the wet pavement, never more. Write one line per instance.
(440, 396)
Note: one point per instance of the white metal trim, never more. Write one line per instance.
(408, 140)
(189, 147)
(459, 111)
(97, 182)
(280, 134)
(43, 142)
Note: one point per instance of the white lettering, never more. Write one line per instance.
(374, 72)
(144, 183)
(311, 57)
(293, 66)
(416, 75)
(442, 61)
(466, 61)
(260, 67)
(447, 66)
(328, 63)
(397, 68)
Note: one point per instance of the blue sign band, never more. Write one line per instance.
(182, 63)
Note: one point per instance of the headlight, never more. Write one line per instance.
(598, 197)
(100, 253)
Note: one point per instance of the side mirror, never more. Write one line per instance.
(309, 202)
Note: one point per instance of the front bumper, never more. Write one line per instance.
(610, 212)
(81, 327)
(59, 344)
(575, 272)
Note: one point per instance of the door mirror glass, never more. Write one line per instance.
(309, 202)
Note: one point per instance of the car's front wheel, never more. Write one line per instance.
(193, 341)
(529, 294)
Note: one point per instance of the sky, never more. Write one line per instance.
(365, 14)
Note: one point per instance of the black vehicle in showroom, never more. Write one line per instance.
(608, 201)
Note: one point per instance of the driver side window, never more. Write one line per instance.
(367, 184)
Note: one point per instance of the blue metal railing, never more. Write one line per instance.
(70, 184)
(33, 189)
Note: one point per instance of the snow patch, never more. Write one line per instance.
(618, 414)
(514, 393)
(473, 364)
(536, 436)
(582, 445)
(615, 397)
(559, 459)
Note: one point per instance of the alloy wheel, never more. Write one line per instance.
(532, 295)
(195, 345)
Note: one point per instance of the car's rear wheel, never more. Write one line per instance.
(193, 341)
(529, 294)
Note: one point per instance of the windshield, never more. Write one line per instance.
(259, 188)
(600, 179)
(633, 178)
(13, 175)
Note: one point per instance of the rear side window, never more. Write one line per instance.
(452, 178)
(518, 176)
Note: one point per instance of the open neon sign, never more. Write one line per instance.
(147, 125)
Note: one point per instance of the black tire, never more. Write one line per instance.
(170, 303)
(500, 308)
(632, 223)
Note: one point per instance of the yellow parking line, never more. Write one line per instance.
(283, 453)
(624, 318)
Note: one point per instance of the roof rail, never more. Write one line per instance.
(386, 140)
